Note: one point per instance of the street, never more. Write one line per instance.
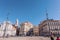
(26, 38)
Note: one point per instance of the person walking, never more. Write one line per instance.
(52, 38)
(58, 38)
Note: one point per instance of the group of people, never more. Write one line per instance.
(52, 38)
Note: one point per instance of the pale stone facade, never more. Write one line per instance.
(36, 31)
(49, 27)
(7, 29)
(25, 27)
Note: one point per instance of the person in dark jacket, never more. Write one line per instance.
(52, 38)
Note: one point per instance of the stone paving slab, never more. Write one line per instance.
(25, 38)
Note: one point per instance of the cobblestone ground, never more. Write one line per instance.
(26, 38)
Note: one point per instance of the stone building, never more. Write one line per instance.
(25, 28)
(48, 27)
(7, 29)
(36, 31)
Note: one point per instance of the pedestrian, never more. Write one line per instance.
(58, 38)
(52, 38)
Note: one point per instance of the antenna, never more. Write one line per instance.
(46, 15)
(8, 16)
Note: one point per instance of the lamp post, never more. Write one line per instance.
(49, 29)
(5, 30)
(6, 25)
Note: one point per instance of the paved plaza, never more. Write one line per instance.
(26, 38)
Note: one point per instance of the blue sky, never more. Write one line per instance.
(29, 10)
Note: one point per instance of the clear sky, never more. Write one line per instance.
(29, 10)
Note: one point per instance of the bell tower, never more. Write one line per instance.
(16, 24)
